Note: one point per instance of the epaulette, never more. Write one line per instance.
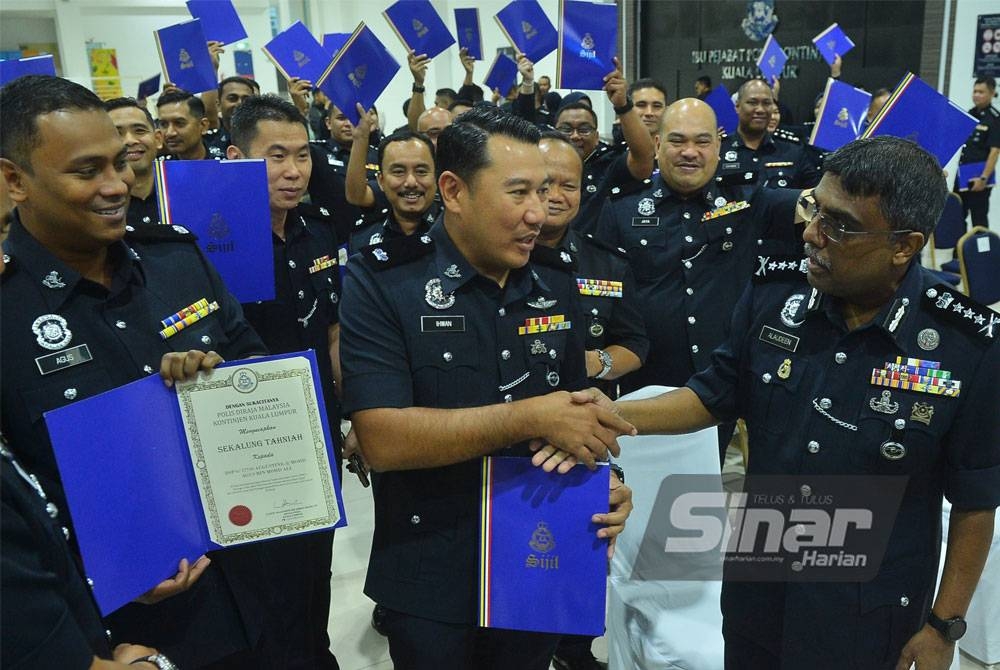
(396, 251)
(316, 212)
(601, 244)
(780, 268)
(992, 111)
(786, 135)
(631, 187)
(977, 320)
(159, 233)
(559, 259)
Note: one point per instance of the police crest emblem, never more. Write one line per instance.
(790, 308)
(435, 296)
(51, 332)
(646, 207)
(760, 20)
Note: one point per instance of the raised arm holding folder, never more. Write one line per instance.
(528, 28)
(470, 36)
(840, 115)
(772, 60)
(296, 53)
(225, 204)
(219, 20)
(502, 74)
(14, 69)
(360, 71)
(969, 171)
(153, 474)
(833, 42)
(725, 111)
(588, 41)
(419, 27)
(184, 56)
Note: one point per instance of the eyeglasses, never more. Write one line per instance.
(836, 232)
(582, 131)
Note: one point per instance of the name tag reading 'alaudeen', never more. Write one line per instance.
(442, 324)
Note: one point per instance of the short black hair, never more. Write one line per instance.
(403, 135)
(906, 179)
(459, 102)
(194, 104)
(243, 126)
(576, 105)
(990, 82)
(450, 92)
(648, 82)
(461, 147)
(122, 103)
(705, 80)
(23, 100)
(246, 81)
(472, 92)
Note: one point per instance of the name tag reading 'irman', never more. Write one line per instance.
(442, 324)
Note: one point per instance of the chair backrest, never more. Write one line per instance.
(950, 227)
(979, 262)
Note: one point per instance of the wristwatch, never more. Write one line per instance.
(617, 469)
(627, 107)
(606, 362)
(159, 660)
(951, 629)
(418, 88)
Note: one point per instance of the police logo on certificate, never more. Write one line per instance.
(51, 332)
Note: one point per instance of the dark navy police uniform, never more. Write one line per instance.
(382, 229)
(423, 328)
(804, 385)
(779, 162)
(985, 136)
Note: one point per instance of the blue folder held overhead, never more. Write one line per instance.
(833, 42)
(184, 56)
(148, 87)
(725, 111)
(296, 53)
(917, 112)
(970, 171)
(542, 566)
(772, 60)
(126, 468)
(470, 36)
(360, 71)
(588, 41)
(528, 28)
(14, 69)
(333, 42)
(419, 27)
(219, 20)
(840, 115)
(502, 74)
(225, 204)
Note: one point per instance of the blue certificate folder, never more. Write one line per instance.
(296, 53)
(126, 469)
(528, 28)
(502, 74)
(225, 204)
(588, 41)
(219, 20)
(967, 171)
(14, 69)
(148, 87)
(840, 115)
(725, 111)
(542, 566)
(470, 36)
(917, 112)
(772, 60)
(419, 27)
(184, 56)
(833, 42)
(332, 42)
(360, 71)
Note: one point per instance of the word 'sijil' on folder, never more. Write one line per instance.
(240, 454)
(296, 53)
(542, 566)
(840, 115)
(184, 56)
(225, 204)
(915, 111)
(588, 39)
(419, 27)
(528, 28)
(360, 71)
(470, 36)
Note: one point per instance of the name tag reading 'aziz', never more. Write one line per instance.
(442, 324)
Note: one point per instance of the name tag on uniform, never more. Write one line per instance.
(333, 161)
(735, 167)
(780, 339)
(645, 221)
(63, 359)
(442, 324)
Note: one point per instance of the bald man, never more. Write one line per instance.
(694, 240)
(433, 121)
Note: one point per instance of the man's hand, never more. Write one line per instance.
(179, 366)
(581, 428)
(365, 126)
(615, 86)
(526, 68)
(468, 62)
(620, 504)
(185, 578)
(215, 50)
(126, 653)
(299, 90)
(928, 650)
(835, 69)
(977, 184)
(418, 66)
(170, 88)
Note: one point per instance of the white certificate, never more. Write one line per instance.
(257, 444)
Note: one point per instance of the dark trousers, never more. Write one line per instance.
(978, 205)
(743, 653)
(422, 644)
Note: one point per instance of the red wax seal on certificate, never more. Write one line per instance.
(240, 515)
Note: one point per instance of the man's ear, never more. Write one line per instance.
(908, 246)
(234, 153)
(451, 187)
(158, 138)
(13, 177)
(204, 125)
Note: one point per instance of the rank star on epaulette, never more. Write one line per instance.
(775, 265)
(728, 208)
(973, 318)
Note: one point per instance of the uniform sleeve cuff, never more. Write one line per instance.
(974, 489)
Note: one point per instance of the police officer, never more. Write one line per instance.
(231, 93)
(143, 140)
(845, 373)
(983, 146)
(775, 161)
(183, 122)
(81, 315)
(303, 315)
(436, 375)
(330, 158)
(693, 242)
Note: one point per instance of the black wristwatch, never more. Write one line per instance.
(417, 88)
(951, 629)
(617, 469)
(627, 107)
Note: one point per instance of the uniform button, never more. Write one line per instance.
(688, 238)
(813, 447)
(66, 535)
(205, 339)
(508, 398)
(552, 353)
(643, 242)
(52, 510)
(147, 369)
(302, 294)
(502, 312)
(825, 403)
(447, 356)
(121, 325)
(840, 357)
(692, 320)
(505, 354)
(755, 160)
(90, 582)
(729, 230)
(415, 519)
(687, 215)
(694, 348)
(291, 264)
(766, 377)
(900, 424)
(688, 264)
(69, 393)
(904, 602)
(689, 291)
(760, 242)
(805, 490)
